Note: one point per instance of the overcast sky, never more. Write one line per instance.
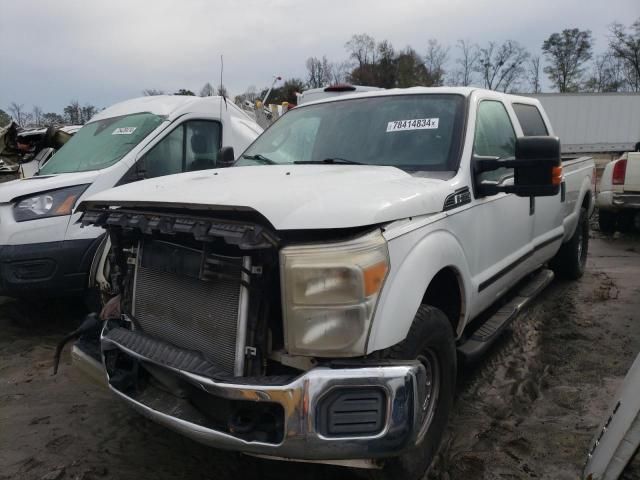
(101, 52)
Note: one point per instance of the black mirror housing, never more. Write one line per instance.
(537, 168)
(226, 157)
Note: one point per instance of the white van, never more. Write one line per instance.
(43, 249)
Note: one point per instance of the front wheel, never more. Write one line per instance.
(431, 341)
(571, 260)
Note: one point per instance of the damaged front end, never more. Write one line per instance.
(197, 344)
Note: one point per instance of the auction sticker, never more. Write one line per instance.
(124, 131)
(413, 124)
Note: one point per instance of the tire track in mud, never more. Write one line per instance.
(485, 437)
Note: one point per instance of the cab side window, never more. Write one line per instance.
(494, 137)
(530, 120)
(192, 145)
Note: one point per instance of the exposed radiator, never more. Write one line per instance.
(173, 302)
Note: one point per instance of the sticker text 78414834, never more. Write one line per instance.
(413, 124)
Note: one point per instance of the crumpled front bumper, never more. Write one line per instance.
(301, 399)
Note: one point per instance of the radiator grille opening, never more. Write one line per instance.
(172, 301)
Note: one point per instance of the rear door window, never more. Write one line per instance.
(530, 120)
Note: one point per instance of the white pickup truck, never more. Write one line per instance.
(311, 302)
(618, 199)
(43, 250)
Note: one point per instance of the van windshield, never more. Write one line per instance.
(102, 143)
(413, 132)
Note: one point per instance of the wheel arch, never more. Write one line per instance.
(421, 270)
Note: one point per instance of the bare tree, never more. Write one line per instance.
(434, 62)
(318, 72)
(207, 90)
(362, 49)
(502, 66)
(37, 115)
(567, 53)
(607, 74)
(626, 47)
(222, 91)
(339, 72)
(467, 63)
(17, 112)
(150, 92)
(533, 71)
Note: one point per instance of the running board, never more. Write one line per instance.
(487, 333)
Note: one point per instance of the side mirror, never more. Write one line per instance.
(537, 168)
(226, 157)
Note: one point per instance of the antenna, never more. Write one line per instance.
(221, 91)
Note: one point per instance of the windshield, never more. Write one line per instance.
(102, 143)
(412, 132)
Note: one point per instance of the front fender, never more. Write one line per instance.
(416, 257)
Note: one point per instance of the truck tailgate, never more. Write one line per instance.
(632, 177)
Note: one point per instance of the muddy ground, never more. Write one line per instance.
(529, 409)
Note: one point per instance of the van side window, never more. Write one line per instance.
(494, 137)
(530, 120)
(192, 145)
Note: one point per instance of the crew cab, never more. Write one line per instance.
(43, 249)
(311, 302)
(618, 199)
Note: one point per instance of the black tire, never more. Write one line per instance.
(430, 337)
(607, 221)
(571, 260)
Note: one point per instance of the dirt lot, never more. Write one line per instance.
(528, 410)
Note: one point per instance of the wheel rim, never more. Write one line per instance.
(431, 388)
(583, 238)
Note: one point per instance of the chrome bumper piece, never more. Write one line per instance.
(299, 400)
(626, 200)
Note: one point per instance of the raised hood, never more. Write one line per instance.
(292, 197)
(34, 185)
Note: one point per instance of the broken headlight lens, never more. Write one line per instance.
(329, 294)
(47, 204)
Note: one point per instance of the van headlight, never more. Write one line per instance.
(47, 204)
(329, 294)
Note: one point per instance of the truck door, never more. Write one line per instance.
(500, 225)
(548, 212)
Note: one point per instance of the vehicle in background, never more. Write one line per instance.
(43, 249)
(310, 303)
(618, 199)
(618, 438)
(42, 143)
(594, 122)
(337, 89)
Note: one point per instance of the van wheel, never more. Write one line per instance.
(570, 262)
(607, 221)
(430, 340)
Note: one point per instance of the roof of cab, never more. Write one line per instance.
(465, 91)
(169, 106)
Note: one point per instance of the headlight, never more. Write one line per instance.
(47, 204)
(329, 293)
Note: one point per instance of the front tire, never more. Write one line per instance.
(430, 340)
(571, 260)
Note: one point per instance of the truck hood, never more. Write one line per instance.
(292, 197)
(33, 185)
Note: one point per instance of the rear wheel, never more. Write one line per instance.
(607, 221)
(430, 341)
(571, 259)
(626, 222)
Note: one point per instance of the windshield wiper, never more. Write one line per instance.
(330, 160)
(260, 158)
